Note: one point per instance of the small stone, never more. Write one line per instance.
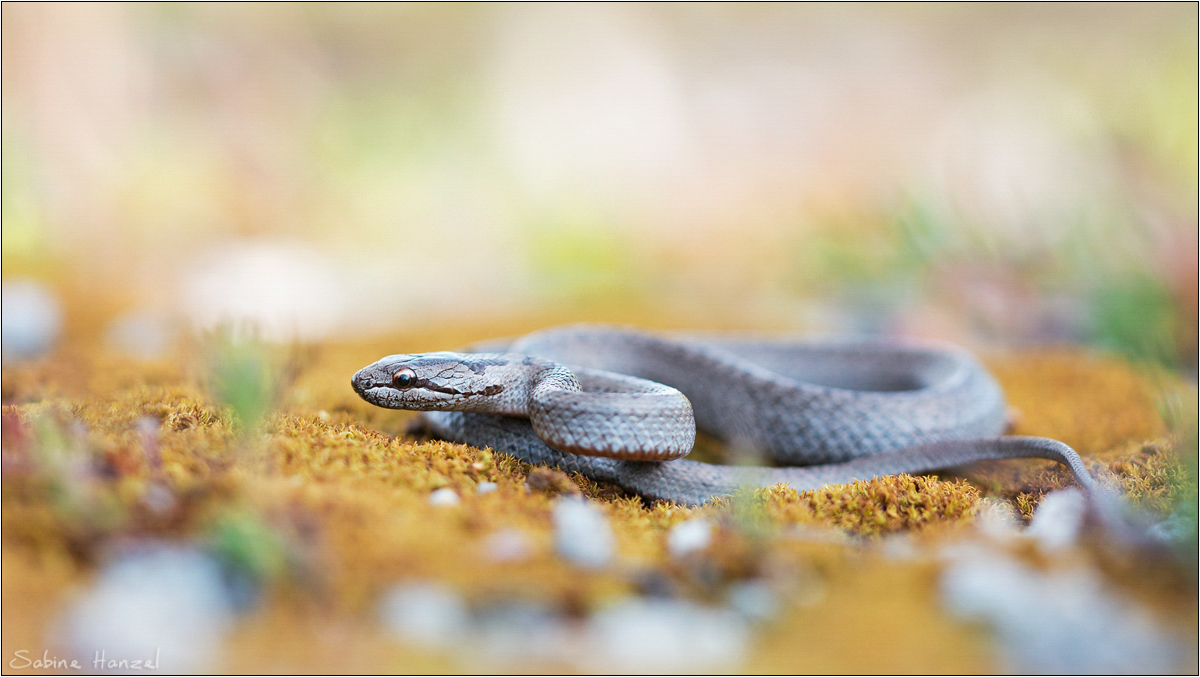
(688, 537)
(425, 613)
(486, 487)
(1058, 519)
(754, 600)
(444, 496)
(581, 533)
(1062, 621)
(661, 635)
(31, 318)
(162, 603)
(507, 545)
(521, 631)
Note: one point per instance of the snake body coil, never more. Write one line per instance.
(623, 406)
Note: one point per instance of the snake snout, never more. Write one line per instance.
(359, 382)
(370, 377)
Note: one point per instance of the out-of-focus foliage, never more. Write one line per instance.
(973, 172)
(1137, 317)
(382, 178)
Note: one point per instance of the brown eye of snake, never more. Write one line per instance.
(404, 378)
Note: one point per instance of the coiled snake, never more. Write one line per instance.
(623, 406)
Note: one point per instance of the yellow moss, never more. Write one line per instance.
(37, 584)
(871, 507)
(290, 636)
(1152, 474)
(345, 495)
(1097, 404)
(873, 617)
(1092, 402)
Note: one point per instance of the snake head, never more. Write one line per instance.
(432, 381)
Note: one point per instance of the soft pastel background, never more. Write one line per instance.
(991, 173)
(349, 180)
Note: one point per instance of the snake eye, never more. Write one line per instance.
(404, 378)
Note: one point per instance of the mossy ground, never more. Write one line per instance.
(325, 505)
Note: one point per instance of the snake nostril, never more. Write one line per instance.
(362, 381)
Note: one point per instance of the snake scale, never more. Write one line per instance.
(622, 406)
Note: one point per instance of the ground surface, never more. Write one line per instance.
(324, 507)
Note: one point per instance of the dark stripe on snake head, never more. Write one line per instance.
(494, 389)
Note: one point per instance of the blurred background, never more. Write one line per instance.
(991, 174)
(371, 178)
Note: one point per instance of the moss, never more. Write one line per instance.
(1090, 401)
(865, 508)
(326, 505)
(1153, 475)
(1097, 404)
(550, 481)
(872, 616)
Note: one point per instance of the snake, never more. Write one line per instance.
(623, 406)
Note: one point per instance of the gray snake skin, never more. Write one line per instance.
(625, 407)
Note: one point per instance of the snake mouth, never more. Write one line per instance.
(393, 398)
(420, 397)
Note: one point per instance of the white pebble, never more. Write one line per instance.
(688, 537)
(167, 602)
(754, 600)
(425, 613)
(522, 632)
(1060, 622)
(1058, 519)
(443, 496)
(486, 487)
(581, 533)
(507, 545)
(31, 318)
(654, 636)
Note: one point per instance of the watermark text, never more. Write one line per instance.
(24, 659)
